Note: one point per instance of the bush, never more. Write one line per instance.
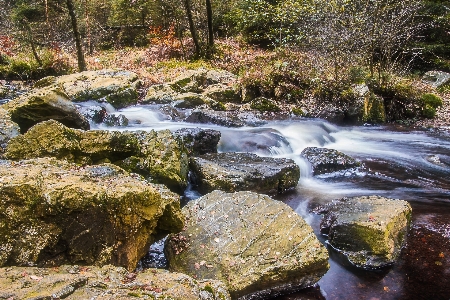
(429, 104)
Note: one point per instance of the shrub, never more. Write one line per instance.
(429, 104)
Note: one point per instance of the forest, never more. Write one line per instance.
(283, 49)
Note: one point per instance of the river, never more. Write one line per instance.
(398, 163)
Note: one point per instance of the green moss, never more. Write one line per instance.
(264, 104)
(429, 104)
(298, 111)
(209, 289)
(218, 106)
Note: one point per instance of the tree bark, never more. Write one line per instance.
(76, 33)
(31, 40)
(210, 25)
(187, 6)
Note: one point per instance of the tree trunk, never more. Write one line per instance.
(187, 6)
(76, 33)
(31, 40)
(210, 25)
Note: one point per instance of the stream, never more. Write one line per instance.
(397, 163)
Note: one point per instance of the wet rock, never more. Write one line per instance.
(99, 115)
(233, 172)
(8, 129)
(189, 100)
(199, 141)
(42, 105)
(370, 231)
(55, 212)
(108, 282)
(222, 118)
(156, 155)
(159, 94)
(222, 93)
(117, 87)
(258, 247)
(264, 141)
(325, 160)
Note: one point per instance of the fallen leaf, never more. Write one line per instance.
(37, 278)
(197, 266)
(386, 289)
(202, 263)
(441, 255)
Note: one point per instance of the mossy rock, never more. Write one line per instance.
(370, 231)
(374, 110)
(263, 104)
(56, 212)
(430, 102)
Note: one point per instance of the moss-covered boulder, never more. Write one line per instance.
(324, 160)
(232, 172)
(258, 246)
(189, 100)
(370, 231)
(156, 155)
(45, 104)
(263, 104)
(55, 212)
(8, 129)
(107, 282)
(374, 111)
(159, 94)
(117, 87)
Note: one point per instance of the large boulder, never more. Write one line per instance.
(199, 141)
(324, 160)
(8, 129)
(258, 246)
(157, 155)
(117, 87)
(54, 212)
(107, 282)
(200, 84)
(232, 172)
(42, 105)
(436, 78)
(370, 231)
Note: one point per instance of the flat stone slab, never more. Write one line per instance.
(232, 172)
(107, 282)
(370, 230)
(257, 246)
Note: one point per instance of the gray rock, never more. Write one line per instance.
(107, 282)
(159, 94)
(259, 247)
(224, 118)
(325, 160)
(370, 231)
(436, 78)
(54, 212)
(233, 172)
(199, 141)
(48, 103)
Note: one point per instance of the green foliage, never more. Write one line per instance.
(430, 102)
(298, 111)
(20, 66)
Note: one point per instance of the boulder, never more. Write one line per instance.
(222, 118)
(436, 78)
(54, 212)
(107, 282)
(260, 248)
(232, 172)
(325, 160)
(117, 87)
(42, 105)
(159, 94)
(8, 129)
(199, 141)
(189, 100)
(370, 230)
(156, 155)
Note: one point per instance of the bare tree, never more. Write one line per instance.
(76, 33)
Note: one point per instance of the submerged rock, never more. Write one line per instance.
(370, 231)
(117, 87)
(199, 141)
(325, 160)
(233, 172)
(258, 246)
(50, 103)
(54, 212)
(156, 155)
(108, 282)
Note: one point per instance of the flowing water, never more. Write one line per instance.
(408, 165)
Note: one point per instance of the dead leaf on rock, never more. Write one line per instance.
(197, 266)
(37, 278)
